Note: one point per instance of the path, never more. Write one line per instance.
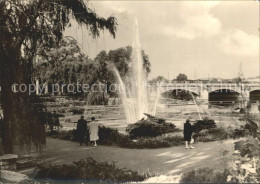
(159, 161)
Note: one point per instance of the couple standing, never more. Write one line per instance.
(88, 130)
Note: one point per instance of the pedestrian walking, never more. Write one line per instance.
(187, 131)
(93, 131)
(81, 130)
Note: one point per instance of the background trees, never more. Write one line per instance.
(159, 79)
(181, 77)
(24, 26)
(66, 64)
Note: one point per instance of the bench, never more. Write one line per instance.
(8, 161)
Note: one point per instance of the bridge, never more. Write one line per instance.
(207, 91)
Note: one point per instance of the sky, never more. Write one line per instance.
(200, 39)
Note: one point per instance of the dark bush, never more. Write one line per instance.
(53, 134)
(150, 127)
(203, 125)
(63, 135)
(68, 135)
(159, 142)
(215, 134)
(220, 133)
(152, 143)
(174, 140)
(205, 175)
(155, 119)
(88, 169)
(109, 136)
(239, 133)
(211, 135)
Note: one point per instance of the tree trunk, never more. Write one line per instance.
(8, 99)
(22, 123)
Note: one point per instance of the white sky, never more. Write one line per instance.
(211, 37)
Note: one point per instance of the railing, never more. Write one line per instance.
(223, 102)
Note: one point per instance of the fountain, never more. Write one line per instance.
(158, 96)
(134, 97)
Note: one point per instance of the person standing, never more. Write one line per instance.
(56, 120)
(187, 131)
(93, 131)
(81, 129)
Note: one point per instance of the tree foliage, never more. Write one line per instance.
(181, 77)
(24, 26)
(66, 64)
(159, 79)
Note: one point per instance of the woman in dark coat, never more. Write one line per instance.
(187, 131)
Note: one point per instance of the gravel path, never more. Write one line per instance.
(173, 160)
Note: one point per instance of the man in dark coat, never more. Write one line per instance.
(187, 131)
(56, 120)
(81, 129)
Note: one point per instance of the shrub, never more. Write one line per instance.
(159, 142)
(214, 134)
(175, 140)
(53, 134)
(108, 135)
(204, 175)
(239, 133)
(68, 135)
(88, 169)
(220, 133)
(63, 135)
(203, 125)
(152, 143)
(111, 136)
(217, 134)
(150, 127)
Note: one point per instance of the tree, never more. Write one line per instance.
(181, 77)
(24, 26)
(159, 79)
(66, 64)
(121, 59)
(67, 50)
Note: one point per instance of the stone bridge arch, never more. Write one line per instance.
(254, 95)
(224, 96)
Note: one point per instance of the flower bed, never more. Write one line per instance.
(110, 136)
(218, 134)
(205, 175)
(88, 170)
